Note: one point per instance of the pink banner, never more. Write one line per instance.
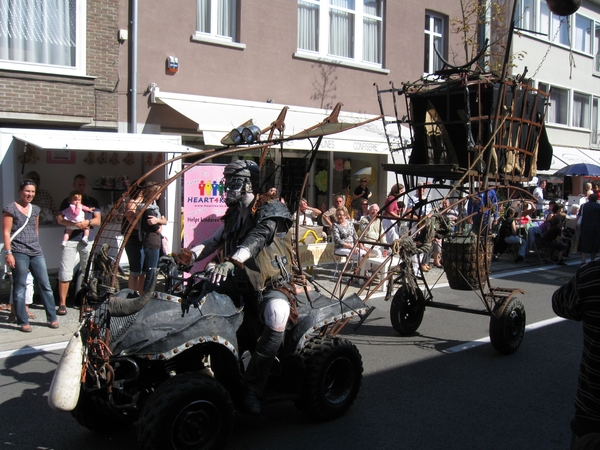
(203, 205)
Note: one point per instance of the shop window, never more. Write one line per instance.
(346, 29)
(217, 19)
(435, 39)
(43, 36)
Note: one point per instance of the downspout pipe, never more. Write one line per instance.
(133, 56)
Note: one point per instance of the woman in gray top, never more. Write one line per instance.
(23, 253)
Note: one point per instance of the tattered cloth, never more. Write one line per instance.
(435, 226)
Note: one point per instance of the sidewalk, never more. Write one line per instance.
(13, 340)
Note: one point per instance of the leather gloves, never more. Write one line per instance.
(220, 271)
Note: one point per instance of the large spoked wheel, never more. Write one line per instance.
(189, 411)
(94, 413)
(507, 330)
(407, 310)
(333, 377)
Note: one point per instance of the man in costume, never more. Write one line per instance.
(257, 266)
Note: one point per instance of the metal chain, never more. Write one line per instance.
(547, 51)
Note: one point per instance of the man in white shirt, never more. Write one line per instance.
(538, 193)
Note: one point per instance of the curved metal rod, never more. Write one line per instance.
(468, 64)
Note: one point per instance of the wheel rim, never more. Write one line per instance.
(409, 309)
(196, 426)
(515, 323)
(338, 380)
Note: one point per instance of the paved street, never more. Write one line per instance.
(418, 392)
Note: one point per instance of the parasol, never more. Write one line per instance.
(580, 170)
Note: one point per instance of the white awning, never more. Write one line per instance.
(218, 116)
(571, 155)
(565, 156)
(94, 141)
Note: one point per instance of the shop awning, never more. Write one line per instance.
(109, 142)
(564, 156)
(571, 155)
(218, 116)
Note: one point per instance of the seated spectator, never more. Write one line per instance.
(363, 211)
(328, 217)
(553, 238)
(573, 211)
(374, 229)
(549, 210)
(511, 235)
(308, 215)
(344, 235)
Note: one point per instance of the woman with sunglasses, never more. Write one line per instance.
(23, 253)
(362, 192)
(363, 211)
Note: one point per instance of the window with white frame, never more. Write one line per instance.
(558, 107)
(559, 29)
(341, 29)
(583, 34)
(595, 137)
(597, 47)
(581, 110)
(526, 14)
(217, 19)
(534, 15)
(46, 36)
(435, 31)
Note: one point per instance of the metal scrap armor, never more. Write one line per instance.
(272, 266)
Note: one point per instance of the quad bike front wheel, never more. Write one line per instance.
(508, 328)
(93, 412)
(407, 310)
(333, 377)
(186, 412)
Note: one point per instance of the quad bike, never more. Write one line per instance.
(173, 363)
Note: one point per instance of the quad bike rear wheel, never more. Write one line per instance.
(333, 377)
(507, 329)
(186, 412)
(93, 413)
(407, 310)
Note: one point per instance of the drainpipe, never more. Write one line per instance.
(133, 43)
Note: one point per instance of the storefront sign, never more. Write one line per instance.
(203, 205)
(60, 157)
